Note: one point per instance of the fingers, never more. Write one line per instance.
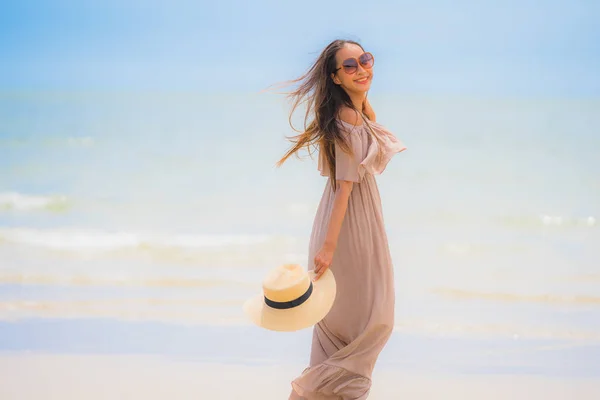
(319, 263)
(320, 268)
(317, 276)
(321, 272)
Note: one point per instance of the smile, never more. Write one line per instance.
(363, 80)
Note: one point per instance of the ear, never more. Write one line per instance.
(335, 79)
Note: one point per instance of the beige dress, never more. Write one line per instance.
(348, 341)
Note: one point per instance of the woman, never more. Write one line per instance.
(348, 233)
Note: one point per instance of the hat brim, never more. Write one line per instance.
(303, 316)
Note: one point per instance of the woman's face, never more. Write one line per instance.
(360, 80)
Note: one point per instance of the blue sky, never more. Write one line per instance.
(468, 47)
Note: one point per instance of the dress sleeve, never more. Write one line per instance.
(369, 155)
(347, 165)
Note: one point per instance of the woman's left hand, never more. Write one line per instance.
(368, 110)
(323, 261)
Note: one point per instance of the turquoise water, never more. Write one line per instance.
(167, 207)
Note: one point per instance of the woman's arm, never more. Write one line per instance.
(340, 205)
(324, 257)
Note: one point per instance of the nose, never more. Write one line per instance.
(360, 69)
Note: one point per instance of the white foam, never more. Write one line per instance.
(514, 331)
(22, 202)
(558, 220)
(85, 141)
(86, 239)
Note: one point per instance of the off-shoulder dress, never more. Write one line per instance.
(348, 341)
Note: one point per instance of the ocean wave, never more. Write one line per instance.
(195, 310)
(196, 250)
(96, 240)
(21, 202)
(546, 220)
(509, 330)
(85, 141)
(461, 294)
(148, 282)
(228, 311)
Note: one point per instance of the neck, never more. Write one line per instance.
(358, 100)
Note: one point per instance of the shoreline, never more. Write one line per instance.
(405, 352)
(95, 376)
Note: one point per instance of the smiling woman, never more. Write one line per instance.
(348, 236)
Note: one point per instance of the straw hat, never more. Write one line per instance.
(290, 300)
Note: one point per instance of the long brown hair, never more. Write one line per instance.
(323, 99)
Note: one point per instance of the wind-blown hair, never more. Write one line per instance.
(323, 100)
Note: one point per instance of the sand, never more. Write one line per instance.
(50, 376)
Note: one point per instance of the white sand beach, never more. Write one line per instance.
(37, 376)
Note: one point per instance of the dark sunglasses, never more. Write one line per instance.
(350, 65)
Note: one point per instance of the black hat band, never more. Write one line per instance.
(283, 305)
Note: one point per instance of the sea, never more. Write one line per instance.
(140, 222)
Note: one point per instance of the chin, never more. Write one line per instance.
(362, 88)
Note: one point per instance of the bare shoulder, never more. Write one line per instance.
(350, 116)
